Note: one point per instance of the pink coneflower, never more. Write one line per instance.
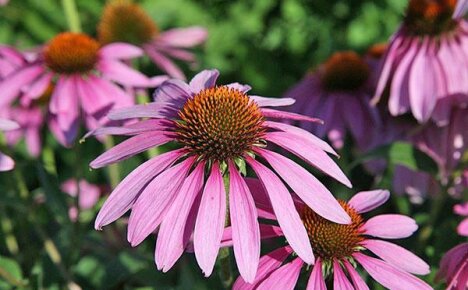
(337, 93)
(219, 129)
(426, 60)
(88, 195)
(462, 209)
(454, 268)
(6, 163)
(339, 248)
(82, 75)
(124, 21)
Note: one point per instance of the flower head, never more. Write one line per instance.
(6, 163)
(123, 20)
(339, 247)
(219, 129)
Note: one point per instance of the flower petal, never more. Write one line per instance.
(272, 102)
(150, 110)
(123, 74)
(316, 280)
(184, 37)
(390, 226)
(340, 281)
(164, 63)
(6, 163)
(266, 232)
(275, 114)
(11, 85)
(365, 201)
(358, 283)
(283, 278)
(203, 80)
(120, 50)
(8, 125)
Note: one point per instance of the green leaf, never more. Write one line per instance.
(11, 272)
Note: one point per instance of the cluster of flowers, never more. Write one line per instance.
(197, 198)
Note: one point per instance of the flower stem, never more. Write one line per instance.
(224, 259)
(71, 14)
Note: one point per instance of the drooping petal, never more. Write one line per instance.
(358, 283)
(39, 86)
(244, 223)
(164, 63)
(340, 281)
(397, 256)
(124, 195)
(151, 110)
(283, 278)
(132, 129)
(307, 187)
(11, 85)
(122, 74)
(64, 102)
(203, 80)
(388, 275)
(184, 37)
(390, 226)
(275, 114)
(210, 221)
(92, 100)
(365, 201)
(120, 50)
(316, 281)
(153, 203)
(173, 234)
(272, 102)
(286, 213)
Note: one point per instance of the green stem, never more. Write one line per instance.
(113, 169)
(436, 206)
(224, 258)
(10, 239)
(71, 14)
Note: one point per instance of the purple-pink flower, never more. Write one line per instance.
(462, 209)
(81, 76)
(339, 248)
(337, 93)
(454, 268)
(426, 61)
(6, 163)
(87, 194)
(218, 129)
(124, 21)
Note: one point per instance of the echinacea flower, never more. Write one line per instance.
(339, 248)
(426, 60)
(6, 163)
(218, 129)
(454, 268)
(83, 77)
(124, 21)
(87, 194)
(337, 93)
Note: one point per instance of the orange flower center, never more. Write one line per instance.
(69, 53)
(430, 17)
(220, 123)
(124, 21)
(377, 50)
(344, 71)
(331, 240)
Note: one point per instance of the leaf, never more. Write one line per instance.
(11, 272)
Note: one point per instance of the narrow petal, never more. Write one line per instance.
(120, 50)
(174, 92)
(153, 203)
(184, 37)
(130, 147)
(64, 102)
(6, 163)
(164, 63)
(389, 276)
(358, 283)
(91, 99)
(316, 157)
(244, 223)
(272, 102)
(123, 74)
(397, 256)
(203, 80)
(307, 187)
(210, 221)
(340, 281)
(286, 213)
(316, 281)
(275, 114)
(124, 195)
(173, 234)
(283, 278)
(11, 85)
(39, 86)
(390, 226)
(151, 110)
(8, 125)
(132, 129)
(365, 201)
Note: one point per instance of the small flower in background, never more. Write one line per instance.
(337, 93)
(339, 248)
(460, 9)
(462, 209)
(220, 128)
(426, 61)
(6, 163)
(82, 77)
(88, 195)
(454, 268)
(124, 21)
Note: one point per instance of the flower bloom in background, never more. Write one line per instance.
(339, 248)
(81, 76)
(218, 129)
(426, 61)
(88, 195)
(454, 268)
(462, 209)
(460, 9)
(124, 21)
(6, 163)
(337, 93)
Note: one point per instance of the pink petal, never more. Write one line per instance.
(152, 204)
(260, 196)
(314, 156)
(8, 125)
(184, 37)
(11, 85)
(286, 213)
(130, 147)
(164, 63)
(151, 110)
(203, 80)
(389, 276)
(283, 278)
(266, 232)
(240, 87)
(174, 233)
(272, 102)
(462, 228)
(39, 86)
(397, 256)
(244, 223)
(124, 195)
(92, 100)
(365, 201)
(358, 283)
(267, 264)
(64, 102)
(133, 128)
(174, 92)
(390, 226)
(123, 74)
(340, 281)
(460, 9)
(275, 114)
(316, 280)
(210, 221)
(307, 187)
(6, 163)
(120, 50)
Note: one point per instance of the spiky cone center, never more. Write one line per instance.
(430, 17)
(377, 50)
(124, 21)
(220, 124)
(344, 71)
(70, 53)
(330, 240)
